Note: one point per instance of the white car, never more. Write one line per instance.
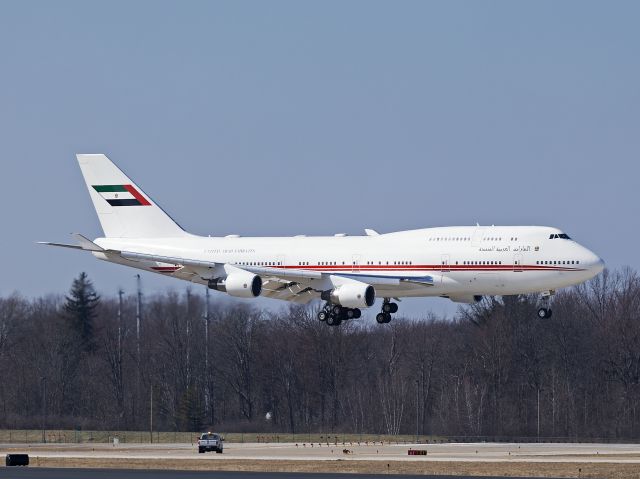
(210, 442)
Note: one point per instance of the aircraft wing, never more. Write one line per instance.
(278, 283)
(294, 285)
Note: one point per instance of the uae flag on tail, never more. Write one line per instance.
(121, 195)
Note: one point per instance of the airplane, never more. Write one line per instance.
(462, 263)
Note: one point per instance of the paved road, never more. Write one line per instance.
(54, 473)
(457, 452)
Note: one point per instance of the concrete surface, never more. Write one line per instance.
(458, 452)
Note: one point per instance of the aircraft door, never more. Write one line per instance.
(517, 263)
(355, 263)
(444, 263)
(477, 236)
(280, 262)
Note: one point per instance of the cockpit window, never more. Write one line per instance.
(559, 235)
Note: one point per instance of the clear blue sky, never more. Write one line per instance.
(282, 118)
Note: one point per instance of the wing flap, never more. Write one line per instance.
(293, 292)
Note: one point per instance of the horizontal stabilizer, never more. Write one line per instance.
(84, 244)
(61, 245)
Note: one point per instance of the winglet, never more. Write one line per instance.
(371, 232)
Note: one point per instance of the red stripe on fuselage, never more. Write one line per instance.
(426, 267)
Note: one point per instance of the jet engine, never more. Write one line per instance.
(241, 284)
(351, 295)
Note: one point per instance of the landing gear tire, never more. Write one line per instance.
(383, 318)
(544, 313)
(357, 313)
(336, 309)
(349, 313)
(323, 315)
(334, 320)
(390, 308)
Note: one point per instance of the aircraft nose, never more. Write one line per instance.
(598, 266)
(594, 264)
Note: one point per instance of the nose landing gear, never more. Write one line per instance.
(545, 312)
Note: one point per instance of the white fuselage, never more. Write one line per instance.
(459, 262)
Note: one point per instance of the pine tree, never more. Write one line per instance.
(190, 411)
(80, 308)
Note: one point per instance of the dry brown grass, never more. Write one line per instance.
(519, 469)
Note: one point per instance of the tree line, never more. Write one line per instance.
(494, 370)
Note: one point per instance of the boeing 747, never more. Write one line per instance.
(462, 263)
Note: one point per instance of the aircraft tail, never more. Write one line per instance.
(124, 210)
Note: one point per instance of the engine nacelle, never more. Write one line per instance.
(467, 298)
(241, 284)
(351, 295)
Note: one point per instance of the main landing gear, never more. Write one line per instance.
(388, 308)
(334, 314)
(545, 311)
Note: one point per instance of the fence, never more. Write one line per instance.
(34, 436)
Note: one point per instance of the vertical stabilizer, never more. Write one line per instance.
(124, 210)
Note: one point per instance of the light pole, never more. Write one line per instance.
(538, 414)
(188, 329)
(43, 381)
(138, 316)
(120, 294)
(417, 410)
(138, 399)
(207, 396)
(151, 416)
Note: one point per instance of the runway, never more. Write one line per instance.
(455, 452)
(55, 473)
(318, 461)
